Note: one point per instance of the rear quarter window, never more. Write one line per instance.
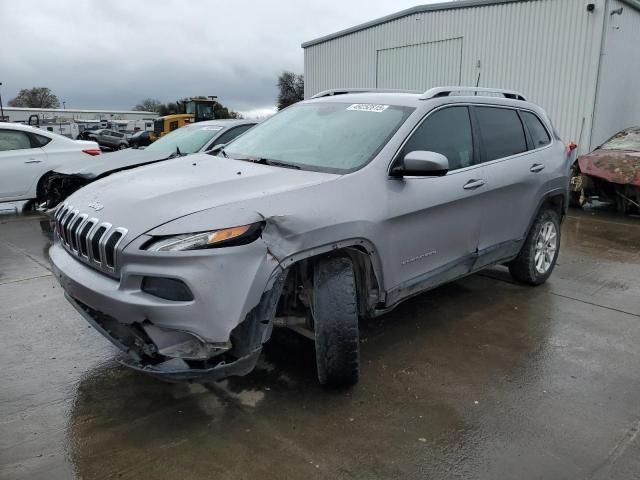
(538, 133)
(40, 140)
(501, 132)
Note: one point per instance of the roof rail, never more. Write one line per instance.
(342, 91)
(447, 91)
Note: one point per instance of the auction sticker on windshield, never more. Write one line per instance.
(368, 107)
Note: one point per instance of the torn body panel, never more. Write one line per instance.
(611, 174)
(621, 167)
(60, 183)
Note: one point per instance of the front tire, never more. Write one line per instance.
(538, 255)
(335, 316)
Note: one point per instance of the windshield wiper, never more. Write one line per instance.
(177, 153)
(273, 163)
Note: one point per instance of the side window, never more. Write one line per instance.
(173, 126)
(537, 132)
(229, 135)
(40, 140)
(446, 131)
(14, 140)
(501, 131)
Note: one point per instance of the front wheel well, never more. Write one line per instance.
(297, 293)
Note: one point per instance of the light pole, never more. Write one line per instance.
(1, 108)
(64, 105)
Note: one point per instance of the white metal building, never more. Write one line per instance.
(16, 114)
(578, 59)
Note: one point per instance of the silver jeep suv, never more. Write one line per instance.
(333, 210)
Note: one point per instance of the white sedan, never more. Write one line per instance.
(27, 153)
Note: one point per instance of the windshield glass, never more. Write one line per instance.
(332, 137)
(188, 139)
(628, 139)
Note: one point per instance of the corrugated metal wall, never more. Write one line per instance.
(618, 99)
(547, 49)
(402, 67)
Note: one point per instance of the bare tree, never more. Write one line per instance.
(149, 105)
(291, 89)
(36, 97)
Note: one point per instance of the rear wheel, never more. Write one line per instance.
(335, 317)
(122, 146)
(538, 255)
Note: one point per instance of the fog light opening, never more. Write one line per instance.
(167, 289)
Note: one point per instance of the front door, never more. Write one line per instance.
(434, 222)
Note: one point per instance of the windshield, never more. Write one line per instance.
(188, 139)
(628, 139)
(333, 137)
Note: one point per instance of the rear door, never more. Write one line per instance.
(434, 222)
(515, 164)
(21, 163)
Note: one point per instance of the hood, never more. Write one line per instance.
(616, 166)
(99, 165)
(145, 198)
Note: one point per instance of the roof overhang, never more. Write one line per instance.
(434, 7)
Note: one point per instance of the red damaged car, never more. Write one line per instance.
(611, 173)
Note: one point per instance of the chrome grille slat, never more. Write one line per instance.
(67, 224)
(84, 236)
(73, 232)
(78, 232)
(78, 224)
(63, 219)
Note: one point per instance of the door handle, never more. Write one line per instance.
(33, 160)
(536, 167)
(473, 184)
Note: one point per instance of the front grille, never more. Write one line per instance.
(87, 238)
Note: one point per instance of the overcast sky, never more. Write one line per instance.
(97, 54)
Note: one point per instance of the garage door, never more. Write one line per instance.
(421, 66)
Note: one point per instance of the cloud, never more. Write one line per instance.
(113, 54)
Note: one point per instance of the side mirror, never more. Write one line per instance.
(420, 163)
(216, 148)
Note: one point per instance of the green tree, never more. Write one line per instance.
(220, 111)
(170, 108)
(36, 97)
(290, 89)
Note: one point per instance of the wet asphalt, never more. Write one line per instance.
(482, 379)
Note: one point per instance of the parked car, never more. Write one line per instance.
(86, 130)
(335, 209)
(109, 139)
(142, 139)
(611, 173)
(27, 153)
(62, 182)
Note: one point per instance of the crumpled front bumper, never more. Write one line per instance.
(233, 303)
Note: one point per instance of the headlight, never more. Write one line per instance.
(226, 237)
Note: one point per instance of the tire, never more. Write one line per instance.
(335, 316)
(122, 146)
(545, 233)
